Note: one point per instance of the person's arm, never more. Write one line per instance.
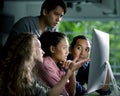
(72, 84)
(57, 89)
(80, 89)
(49, 73)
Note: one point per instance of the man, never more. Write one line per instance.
(50, 15)
(80, 49)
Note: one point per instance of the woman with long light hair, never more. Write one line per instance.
(18, 63)
(18, 72)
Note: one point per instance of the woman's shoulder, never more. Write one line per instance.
(48, 59)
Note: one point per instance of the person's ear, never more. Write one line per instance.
(52, 49)
(44, 12)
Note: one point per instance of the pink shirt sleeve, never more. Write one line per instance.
(50, 73)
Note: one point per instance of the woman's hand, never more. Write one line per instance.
(73, 65)
(76, 64)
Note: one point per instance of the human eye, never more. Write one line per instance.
(65, 47)
(79, 48)
(56, 13)
(87, 49)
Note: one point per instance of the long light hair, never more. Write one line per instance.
(16, 73)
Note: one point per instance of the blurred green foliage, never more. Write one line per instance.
(74, 28)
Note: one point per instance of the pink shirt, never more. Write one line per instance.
(50, 73)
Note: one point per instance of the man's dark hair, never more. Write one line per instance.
(76, 38)
(52, 4)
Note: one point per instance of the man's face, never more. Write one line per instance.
(81, 50)
(54, 16)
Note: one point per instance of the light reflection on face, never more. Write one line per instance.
(39, 51)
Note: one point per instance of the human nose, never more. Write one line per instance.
(82, 52)
(43, 52)
(59, 18)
